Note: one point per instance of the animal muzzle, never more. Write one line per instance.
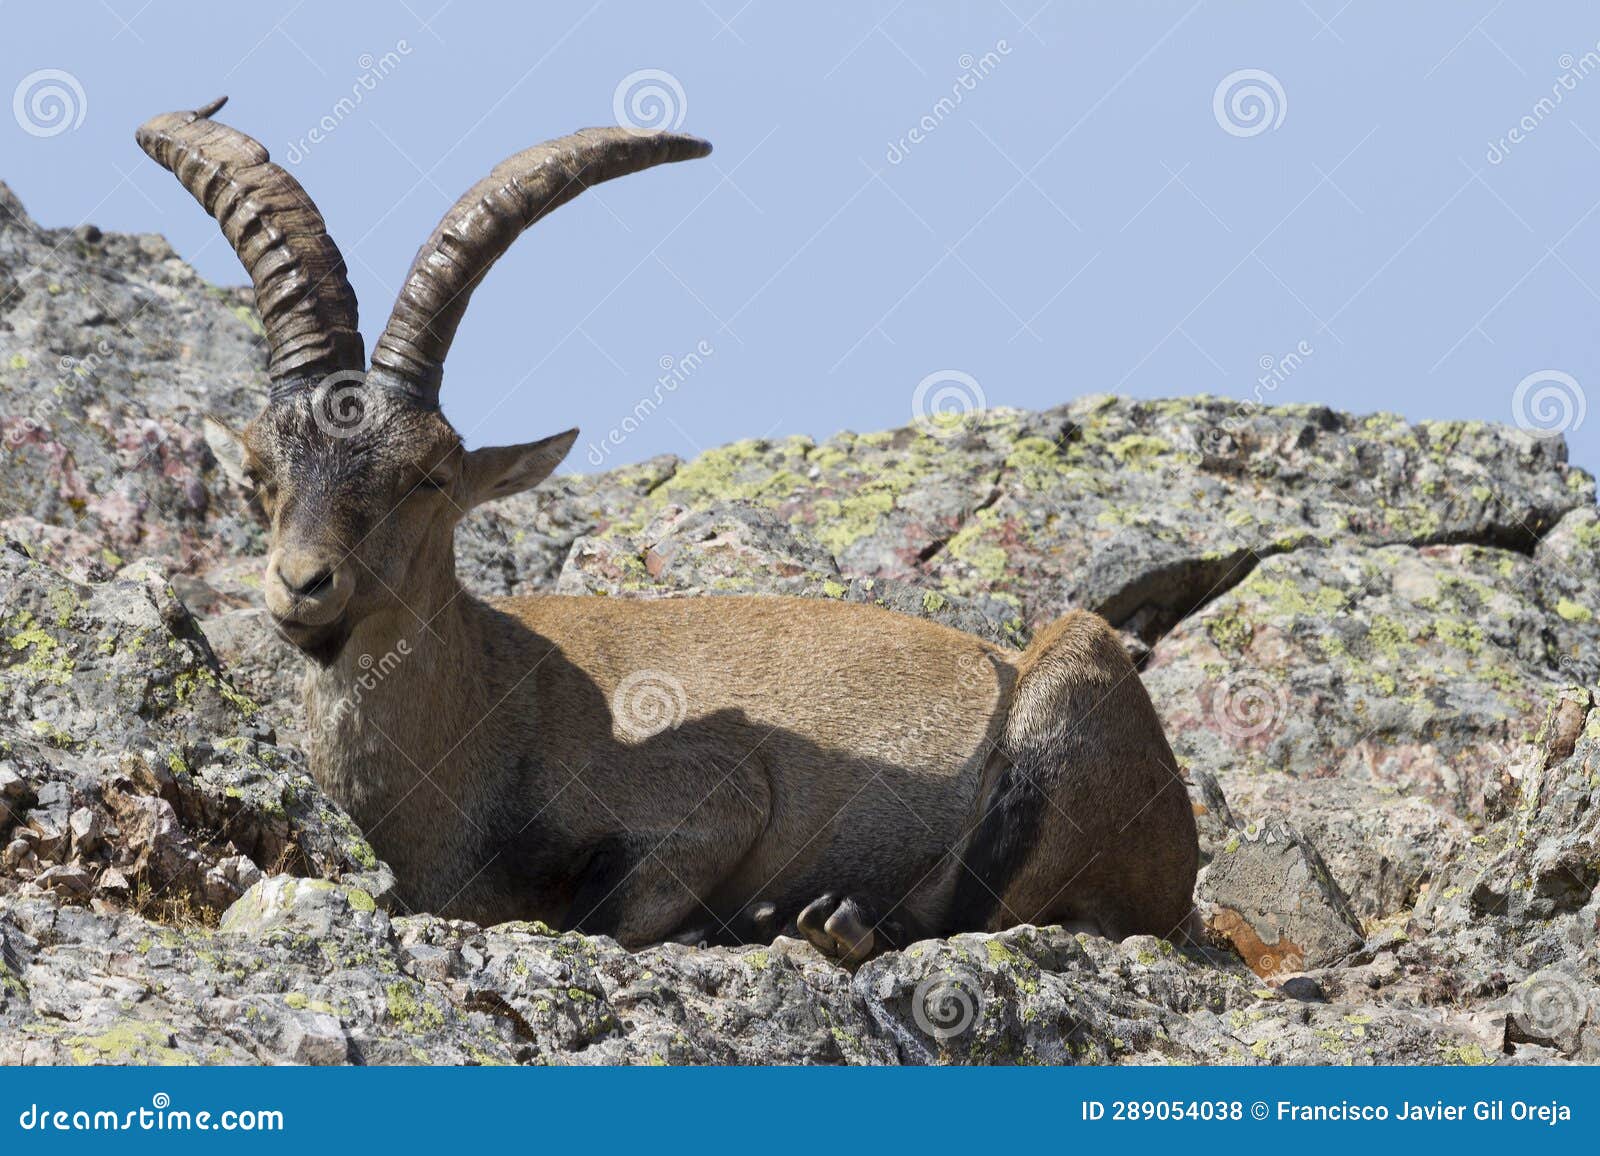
(307, 591)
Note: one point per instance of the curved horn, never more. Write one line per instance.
(306, 303)
(480, 227)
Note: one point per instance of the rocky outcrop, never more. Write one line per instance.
(131, 769)
(303, 971)
(1374, 644)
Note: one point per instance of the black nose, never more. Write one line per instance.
(314, 585)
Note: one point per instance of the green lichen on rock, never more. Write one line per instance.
(411, 1009)
(1573, 611)
(251, 321)
(130, 1042)
(46, 661)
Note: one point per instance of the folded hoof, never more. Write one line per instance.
(840, 928)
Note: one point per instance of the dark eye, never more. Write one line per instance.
(428, 484)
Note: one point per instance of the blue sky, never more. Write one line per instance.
(1397, 213)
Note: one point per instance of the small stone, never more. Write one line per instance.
(88, 830)
(47, 830)
(153, 835)
(1271, 895)
(1303, 988)
(229, 879)
(14, 789)
(18, 855)
(313, 1038)
(55, 795)
(113, 884)
(67, 881)
(241, 871)
(1566, 724)
(429, 962)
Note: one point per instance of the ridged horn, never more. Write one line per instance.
(481, 226)
(302, 294)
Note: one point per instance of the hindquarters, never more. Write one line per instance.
(1083, 819)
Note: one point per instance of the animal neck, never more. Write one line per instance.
(396, 721)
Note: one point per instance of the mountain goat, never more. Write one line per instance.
(719, 769)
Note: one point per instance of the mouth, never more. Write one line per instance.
(321, 643)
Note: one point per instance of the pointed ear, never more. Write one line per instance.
(227, 446)
(500, 471)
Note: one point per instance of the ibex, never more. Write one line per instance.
(806, 766)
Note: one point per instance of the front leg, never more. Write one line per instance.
(656, 856)
(644, 888)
